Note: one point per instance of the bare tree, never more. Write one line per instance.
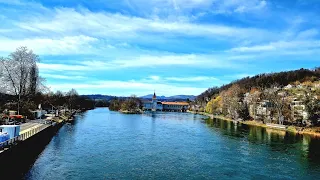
(231, 101)
(234, 95)
(254, 98)
(72, 97)
(277, 97)
(19, 73)
(225, 101)
(312, 105)
(33, 80)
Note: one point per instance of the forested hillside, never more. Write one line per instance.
(265, 80)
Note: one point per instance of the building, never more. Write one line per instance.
(289, 86)
(298, 110)
(39, 113)
(175, 106)
(155, 105)
(263, 110)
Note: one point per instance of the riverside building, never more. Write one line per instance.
(155, 105)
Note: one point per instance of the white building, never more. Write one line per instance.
(289, 86)
(155, 105)
(299, 110)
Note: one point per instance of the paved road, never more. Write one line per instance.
(30, 125)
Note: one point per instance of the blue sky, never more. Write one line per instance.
(124, 47)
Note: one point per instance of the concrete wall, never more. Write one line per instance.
(19, 158)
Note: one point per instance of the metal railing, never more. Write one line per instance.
(22, 137)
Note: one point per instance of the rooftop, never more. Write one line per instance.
(176, 103)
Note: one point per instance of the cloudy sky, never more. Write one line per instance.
(124, 47)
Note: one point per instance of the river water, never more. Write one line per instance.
(108, 145)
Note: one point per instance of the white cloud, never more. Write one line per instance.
(69, 21)
(202, 61)
(182, 6)
(241, 57)
(62, 67)
(80, 31)
(56, 76)
(253, 48)
(130, 87)
(239, 6)
(190, 79)
(308, 34)
(65, 45)
(14, 2)
(154, 78)
(174, 5)
(246, 7)
(280, 46)
(149, 61)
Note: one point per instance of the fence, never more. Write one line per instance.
(22, 137)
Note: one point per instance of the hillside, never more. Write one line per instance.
(265, 80)
(99, 97)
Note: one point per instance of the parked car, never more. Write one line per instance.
(13, 119)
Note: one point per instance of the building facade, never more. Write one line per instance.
(155, 105)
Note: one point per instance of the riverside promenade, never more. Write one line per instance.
(20, 152)
(27, 130)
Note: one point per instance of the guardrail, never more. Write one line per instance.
(22, 137)
(32, 132)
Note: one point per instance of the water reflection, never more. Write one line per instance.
(308, 148)
(153, 116)
(163, 145)
(313, 149)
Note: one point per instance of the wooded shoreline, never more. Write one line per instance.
(290, 129)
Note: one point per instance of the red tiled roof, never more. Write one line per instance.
(176, 103)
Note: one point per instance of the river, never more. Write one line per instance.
(101, 144)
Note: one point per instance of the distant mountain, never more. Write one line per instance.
(99, 97)
(176, 97)
(190, 97)
(149, 96)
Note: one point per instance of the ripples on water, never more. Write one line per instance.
(109, 145)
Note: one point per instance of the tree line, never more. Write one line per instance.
(22, 88)
(130, 104)
(265, 80)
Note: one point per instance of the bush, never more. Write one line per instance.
(292, 129)
(115, 105)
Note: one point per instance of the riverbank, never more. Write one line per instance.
(18, 153)
(131, 112)
(313, 131)
(18, 156)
